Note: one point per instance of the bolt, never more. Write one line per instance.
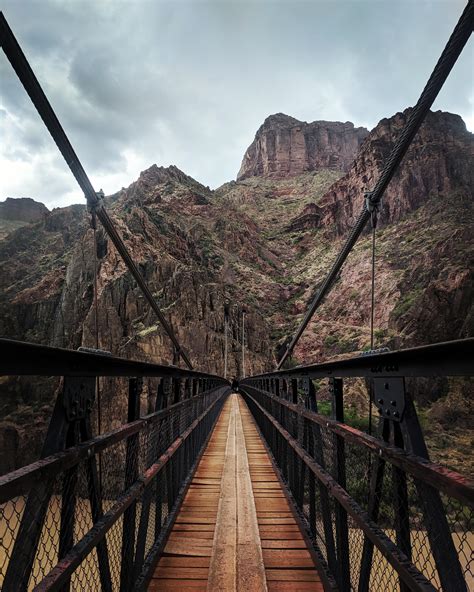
(387, 411)
(394, 403)
(396, 414)
(380, 401)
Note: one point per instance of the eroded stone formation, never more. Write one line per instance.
(284, 146)
(265, 241)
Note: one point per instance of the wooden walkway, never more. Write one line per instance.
(235, 529)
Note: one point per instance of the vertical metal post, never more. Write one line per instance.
(131, 475)
(375, 495)
(434, 515)
(312, 406)
(342, 530)
(243, 344)
(225, 347)
(162, 401)
(400, 497)
(37, 504)
(68, 505)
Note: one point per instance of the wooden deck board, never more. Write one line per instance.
(236, 529)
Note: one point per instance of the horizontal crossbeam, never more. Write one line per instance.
(29, 359)
(450, 358)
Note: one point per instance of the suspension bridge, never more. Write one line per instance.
(251, 490)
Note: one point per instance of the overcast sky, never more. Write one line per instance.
(189, 83)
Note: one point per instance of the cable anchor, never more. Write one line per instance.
(372, 207)
(94, 207)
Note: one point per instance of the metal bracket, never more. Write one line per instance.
(166, 388)
(79, 395)
(389, 397)
(93, 207)
(307, 386)
(372, 207)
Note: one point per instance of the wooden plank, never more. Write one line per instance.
(184, 548)
(275, 586)
(292, 575)
(173, 561)
(223, 567)
(236, 515)
(185, 573)
(283, 545)
(250, 566)
(163, 585)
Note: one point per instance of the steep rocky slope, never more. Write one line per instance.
(439, 162)
(265, 242)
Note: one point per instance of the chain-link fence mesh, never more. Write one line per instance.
(432, 529)
(131, 488)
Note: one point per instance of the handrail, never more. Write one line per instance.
(346, 482)
(446, 480)
(448, 358)
(147, 462)
(27, 359)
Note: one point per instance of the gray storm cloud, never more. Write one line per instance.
(188, 83)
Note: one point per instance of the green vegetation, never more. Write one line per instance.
(407, 301)
(330, 340)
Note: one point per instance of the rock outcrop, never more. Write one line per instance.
(265, 242)
(439, 161)
(284, 146)
(23, 209)
(16, 212)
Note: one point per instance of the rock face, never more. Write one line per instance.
(23, 209)
(440, 160)
(284, 146)
(16, 212)
(265, 242)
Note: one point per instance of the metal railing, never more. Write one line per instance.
(380, 514)
(94, 513)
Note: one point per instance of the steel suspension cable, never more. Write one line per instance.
(30, 83)
(448, 58)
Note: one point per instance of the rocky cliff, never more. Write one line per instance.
(23, 209)
(440, 161)
(265, 242)
(18, 212)
(284, 146)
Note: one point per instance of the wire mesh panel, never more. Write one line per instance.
(380, 517)
(96, 515)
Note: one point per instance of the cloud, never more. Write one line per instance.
(189, 83)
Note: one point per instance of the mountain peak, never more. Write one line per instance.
(284, 147)
(280, 120)
(160, 174)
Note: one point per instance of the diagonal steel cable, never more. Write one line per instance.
(448, 58)
(30, 83)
